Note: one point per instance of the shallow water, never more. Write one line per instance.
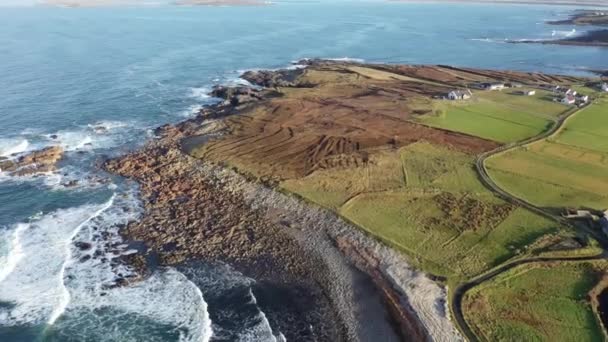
(97, 81)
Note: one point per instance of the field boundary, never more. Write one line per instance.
(458, 293)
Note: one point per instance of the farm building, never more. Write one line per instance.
(605, 87)
(459, 94)
(495, 86)
(582, 98)
(569, 99)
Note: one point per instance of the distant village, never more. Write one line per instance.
(565, 95)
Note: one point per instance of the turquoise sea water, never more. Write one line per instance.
(97, 80)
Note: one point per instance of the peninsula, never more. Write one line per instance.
(329, 177)
(585, 17)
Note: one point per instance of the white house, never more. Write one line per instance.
(605, 87)
(459, 94)
(569, 99)
(571, 92)
(529, 92)
(496, 86)
(583, 98)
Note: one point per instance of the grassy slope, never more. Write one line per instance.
(536, 302)
(569, 170)
(470, 238)
(498, 116)
(588, 129)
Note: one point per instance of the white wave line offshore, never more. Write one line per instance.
(65, 294)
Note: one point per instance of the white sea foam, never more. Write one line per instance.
(200, 93)
(261, 331)
(13, 250)
(489, 40)
(191, 111)
(55, 280)
(65, 294)
(556, 33)
(9, 147)
(346, 59)
(34, 285)
(100, 134)
(108, 125)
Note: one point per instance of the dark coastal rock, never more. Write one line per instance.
(71, 183)
(273, 79)
(83, 246)
(590, 38)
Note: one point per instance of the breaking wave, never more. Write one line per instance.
(191, 111)
(98, 135)
(346, 59)
(200, 93)
(9, 147)
(65, 271)
(237, 314)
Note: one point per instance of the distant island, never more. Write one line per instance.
(587, 17)
(104, 3)
(591, 38)
(222, 3)
(594, 3)
(579, 18)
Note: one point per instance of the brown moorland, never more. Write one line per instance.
(333, 114)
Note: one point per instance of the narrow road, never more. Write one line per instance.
(459, 291)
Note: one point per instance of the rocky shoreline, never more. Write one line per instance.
(343, 284)
(584, 17)
(591, 38)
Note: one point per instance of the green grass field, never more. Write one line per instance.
(499, 116)
(568, 170)
(540, 302)
(428, 202)
(588, 129)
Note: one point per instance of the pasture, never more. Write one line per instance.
(565, 170)
(588, 129)
(536, 302)
(494, 115)
(427, 201)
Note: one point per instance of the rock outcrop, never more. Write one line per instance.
(44, 160)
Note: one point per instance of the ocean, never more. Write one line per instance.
(97, 81)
